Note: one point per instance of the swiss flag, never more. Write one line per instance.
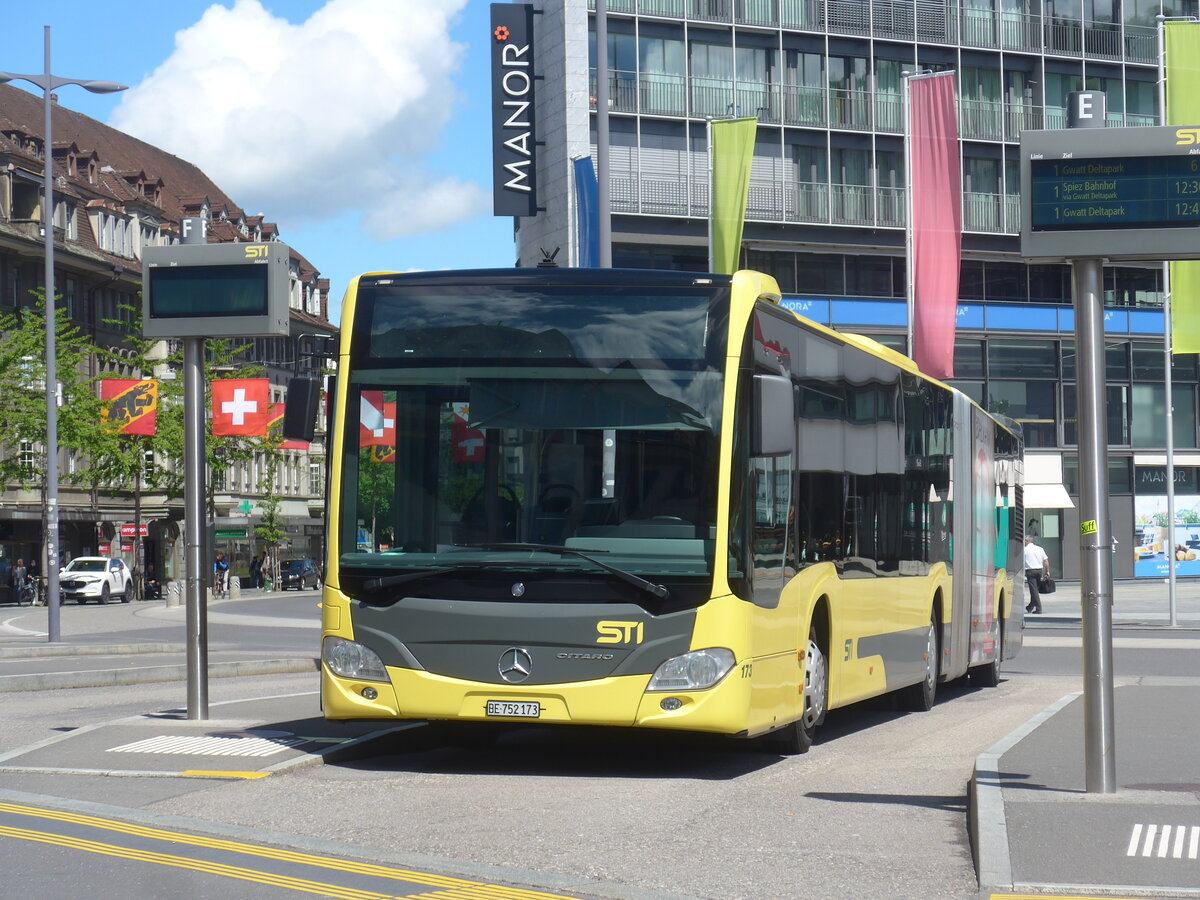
(467, 442)
(377, 420)
(240, 407)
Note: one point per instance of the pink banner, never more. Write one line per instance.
(936, 221)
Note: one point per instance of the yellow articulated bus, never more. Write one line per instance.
(651, 499)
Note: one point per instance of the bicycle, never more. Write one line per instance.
(221, 586)
(27, 594)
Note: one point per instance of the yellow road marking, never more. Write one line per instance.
(476, 889)
(210, 868)
(204, 773)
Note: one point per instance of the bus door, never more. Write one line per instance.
(962, 474)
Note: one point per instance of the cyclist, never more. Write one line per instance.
(221, 574)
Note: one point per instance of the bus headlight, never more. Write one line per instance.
(350, 659)
(693, 671)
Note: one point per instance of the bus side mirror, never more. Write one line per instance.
(300, 409)
(774, 426)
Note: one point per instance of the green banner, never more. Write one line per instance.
(732, 144)
(1182, 45)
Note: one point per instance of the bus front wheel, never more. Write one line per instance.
(797, 737)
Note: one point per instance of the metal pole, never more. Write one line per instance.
(193, 513)
(52, 592)
(1095, 538)
(603, 202)
(1167, 384)
(909, 282)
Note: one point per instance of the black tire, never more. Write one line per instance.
(921, 696)
(103, 595)
(797, 738)
(988, 676)
(125, 598)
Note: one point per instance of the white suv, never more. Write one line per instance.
(95, 578)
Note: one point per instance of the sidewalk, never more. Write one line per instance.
(1034, 825)
(1142, 602)
(138, 643)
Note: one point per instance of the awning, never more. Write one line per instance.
(1043, 482)
(1160, 459)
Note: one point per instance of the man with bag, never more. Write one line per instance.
(1037, 564)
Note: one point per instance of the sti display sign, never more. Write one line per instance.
(514, 148)
(1113, 193)
(215, 290)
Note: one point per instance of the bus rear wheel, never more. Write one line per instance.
(988, 675)
(797, 737)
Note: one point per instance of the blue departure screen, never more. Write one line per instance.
(1114, 192)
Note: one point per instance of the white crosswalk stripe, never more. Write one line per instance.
(1156, 840)
(210, 745)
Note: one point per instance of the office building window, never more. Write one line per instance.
(1022, 359)
(1032, 403)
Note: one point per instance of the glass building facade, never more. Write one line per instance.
(827, 205)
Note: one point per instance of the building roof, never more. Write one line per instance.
(101, 166)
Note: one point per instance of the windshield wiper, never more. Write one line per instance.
(655, 590)
(372, 585)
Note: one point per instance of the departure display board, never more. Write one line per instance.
(216, 290)
(1115, 193)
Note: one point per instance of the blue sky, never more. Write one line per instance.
(376, 114)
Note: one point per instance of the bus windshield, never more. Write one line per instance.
(498, 425)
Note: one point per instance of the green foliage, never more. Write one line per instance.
(269, 530)
(221, 358)
(23, 400)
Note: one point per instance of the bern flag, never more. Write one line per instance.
(240, 407)
(130, 406)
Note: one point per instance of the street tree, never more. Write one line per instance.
(23, 402)
(142, 463)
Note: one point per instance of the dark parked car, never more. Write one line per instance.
(298, 574)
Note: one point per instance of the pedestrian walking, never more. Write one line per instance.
(255, 572)
(20, 580)
(1037, 564)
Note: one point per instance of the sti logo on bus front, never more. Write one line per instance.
(619, 632)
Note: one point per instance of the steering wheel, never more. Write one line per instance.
(570, 490)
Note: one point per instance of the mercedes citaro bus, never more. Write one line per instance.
(651, 499)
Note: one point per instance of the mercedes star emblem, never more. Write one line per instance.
(518, 589)
(515, 665)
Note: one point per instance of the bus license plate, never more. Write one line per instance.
(509, 709)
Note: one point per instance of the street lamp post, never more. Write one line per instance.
(48, 83)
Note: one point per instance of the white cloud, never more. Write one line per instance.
(307, 121)
(412, 208)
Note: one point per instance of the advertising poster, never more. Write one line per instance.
(1152, 538)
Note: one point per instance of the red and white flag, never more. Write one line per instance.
(936, 225)
(377, 420)
(467, 442)
(275, 429)
(240, 407)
